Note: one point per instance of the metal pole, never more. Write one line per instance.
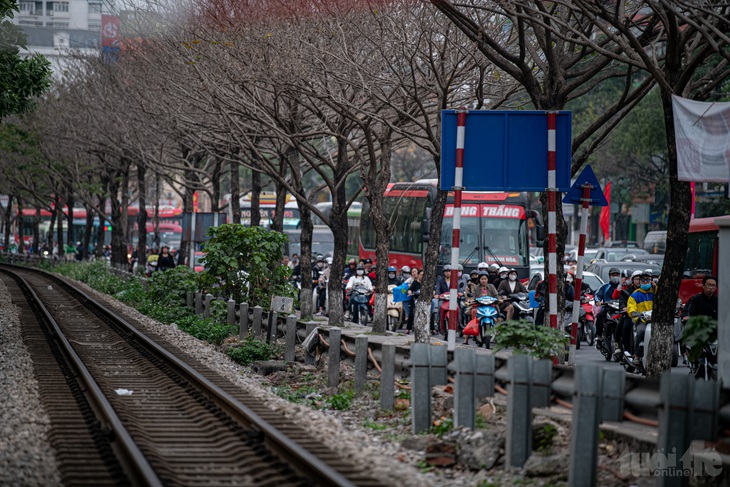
(456, 230)
(192, 241)
(552, 194)
(579, 271)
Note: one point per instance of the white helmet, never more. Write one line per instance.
(494, 267)
(482, 265)
(503, 269)
(636, 274)
(405, 268)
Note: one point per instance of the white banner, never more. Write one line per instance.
(702, 132)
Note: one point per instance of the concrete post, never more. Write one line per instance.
(420, 387)
(243, 321)
(208, 299)
(387, 377)
(613, 390)
(674, 418)
(519, 412)
(257, 317)
(188, 299)
(333, 358)
(290, 338)
(584, 428)
(198, 304)
(542, 375)
(438, 365)
(271, 331)
(723, 306)
(361, 363)
(465, 368)
(484, 378)
(231, 312)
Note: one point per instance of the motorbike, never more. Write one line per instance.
(587, 319)
(605, 343)
(568, 322)
(321, 287)
(705, 367)
(359, 299)
(637, 363)
(486, 315)
(521, 303)
(394, 310)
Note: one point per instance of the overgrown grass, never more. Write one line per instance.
(252, 349)
(164, 301)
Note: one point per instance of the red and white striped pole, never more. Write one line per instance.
(456, 231)
(552, 194)
(579, 271)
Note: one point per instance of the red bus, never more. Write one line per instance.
(26, 222)
(494, 227)
(701, 257)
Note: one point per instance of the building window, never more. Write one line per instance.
(27, 7)
(95, 26)
(94, 8)
(60, 25)
(60, 6)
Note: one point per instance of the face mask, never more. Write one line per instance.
(296, 261)
(646, 286)
(568, 280)
(615, 280)
(360, 272)
(503, 275)
(513, 277)
(391, 275)
(320, 264)
(460, 274)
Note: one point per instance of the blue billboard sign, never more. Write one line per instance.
(506, 150)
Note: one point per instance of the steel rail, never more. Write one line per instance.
(303, 460)
(133, 458)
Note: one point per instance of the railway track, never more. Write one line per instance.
(128, 409)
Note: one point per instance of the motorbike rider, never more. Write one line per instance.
(475, 290)
(405, 274)
(622, 293)
(442, 286)
(604, 294)
(503, 273)
(358, 282)
(320, 274)
(392, 277)
(512, 285)
(704, 303)
(370, 271)
(640, 301)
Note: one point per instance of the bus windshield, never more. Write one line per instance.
(498, 240)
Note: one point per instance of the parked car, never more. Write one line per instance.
(616, 254)
(657, 259)
(624, 243)
(656, 242)
(588, 256)
(593, 280)
(602, 268)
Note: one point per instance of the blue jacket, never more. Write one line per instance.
(605, 292)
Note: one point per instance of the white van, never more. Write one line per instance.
(656, 242)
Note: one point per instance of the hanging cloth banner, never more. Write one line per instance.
(702, 132)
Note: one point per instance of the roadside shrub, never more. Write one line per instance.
(252, 349)
(172, 286)
(523, 337)
(244, 263)
(205, 329)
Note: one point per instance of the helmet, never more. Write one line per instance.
(328, 260)
(626, 273)
(494, 267)
(405, 268)
(636, 274)
(320, 258)
(474, 271)
(391, 268)
(503, 269)
(482, 265)
(613, 270)
(359, 267)
(447, 267)
(511, 270)
(647, 272)
(78, 243)
(483, 273)
(460, 267)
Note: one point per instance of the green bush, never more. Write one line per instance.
(252, 349)
(172, 286)
(523, 336)
(698, 332)
(244, 263)
(207, 329)
(340, 401)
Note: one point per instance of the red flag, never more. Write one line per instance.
(605, 220)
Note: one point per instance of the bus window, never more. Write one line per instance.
(700, 254)
(468, 243)
(507, 239)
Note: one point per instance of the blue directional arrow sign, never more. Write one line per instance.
(575, 193)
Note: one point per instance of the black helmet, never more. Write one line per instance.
(320, 258)
(359, 267)
(483, 273)
(613, 270)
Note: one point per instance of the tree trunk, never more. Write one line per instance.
(255, 199)
(338, 225)
(277, 222)
(423, 306)
(142, 215)
(659, 355)
(125, 206)
(59, 227)
(215, 182)
(376, 181)
(235, 193)
(51, 228)
(186, 244)
(19, 226)
(37, 231)
(70, 237)
(6, 223)
(305, 257)
(156, 216)
(100, 234)
(87, 231)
